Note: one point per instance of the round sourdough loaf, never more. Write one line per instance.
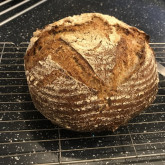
(90, 72)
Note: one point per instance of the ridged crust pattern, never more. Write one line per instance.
(91, 72)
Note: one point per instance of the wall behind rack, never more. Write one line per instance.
(19, 19)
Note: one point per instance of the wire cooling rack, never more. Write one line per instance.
(26, 137)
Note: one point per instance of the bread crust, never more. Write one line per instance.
(91, 72)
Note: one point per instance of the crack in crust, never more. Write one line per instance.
(80, 59)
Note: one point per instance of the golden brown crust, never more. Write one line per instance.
(92, 66)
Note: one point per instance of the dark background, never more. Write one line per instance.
(147, 15)
(34, 140)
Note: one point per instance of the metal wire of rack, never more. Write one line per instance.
(26, 137)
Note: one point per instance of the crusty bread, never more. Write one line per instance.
(90, 72)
